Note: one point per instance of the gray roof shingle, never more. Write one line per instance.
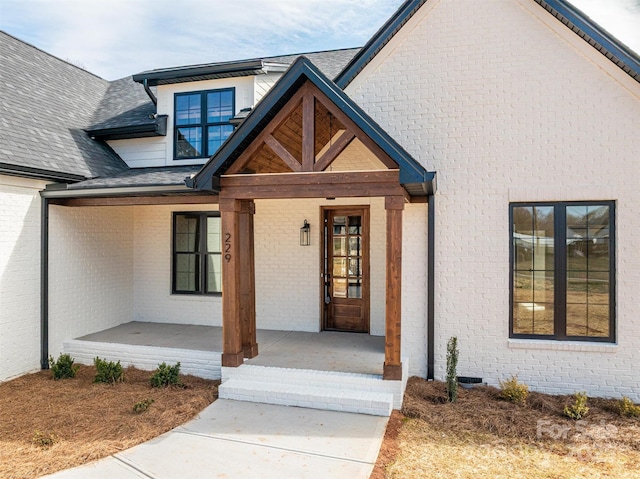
(329, 62)
(46, 104)
(160, 176)
(125, 103)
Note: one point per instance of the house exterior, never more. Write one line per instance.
(472, 171)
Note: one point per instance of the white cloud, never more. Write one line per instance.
(115, 38)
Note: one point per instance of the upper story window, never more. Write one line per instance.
(563, 270)
(202, 122)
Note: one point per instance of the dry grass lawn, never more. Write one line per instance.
(48, 425)
(482, 436)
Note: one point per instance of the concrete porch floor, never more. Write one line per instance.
(323, 351)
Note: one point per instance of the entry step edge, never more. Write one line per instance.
(313, 397)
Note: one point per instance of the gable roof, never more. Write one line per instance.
(330, 63)
(413, 176)
(46, 103)
(569, 15)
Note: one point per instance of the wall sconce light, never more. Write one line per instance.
(305, 234)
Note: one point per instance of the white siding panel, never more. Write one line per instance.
(141, 152)
(264, 83)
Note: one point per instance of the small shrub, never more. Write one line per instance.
(627, 408)
(452, 364)
(44, 440)
(579, 408)
(63, 368)
(166, 375)
(107, 371)
(142, 406)
(513, 391)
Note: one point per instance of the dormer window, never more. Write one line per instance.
(202, 122)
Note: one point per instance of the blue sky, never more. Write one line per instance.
(116, 38)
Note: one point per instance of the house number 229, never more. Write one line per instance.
(227, 247)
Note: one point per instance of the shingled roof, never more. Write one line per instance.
(46, 104)
(125, 103)
(126, 106)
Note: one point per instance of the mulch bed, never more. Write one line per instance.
(48, 425)
(480, 412)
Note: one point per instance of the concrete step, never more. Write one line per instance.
(315, 397)
(307, 377)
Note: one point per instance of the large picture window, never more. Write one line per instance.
(562, 270)
(197, 267)
(202, 122)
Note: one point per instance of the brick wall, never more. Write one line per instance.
(509, 107)
(19, 276)
(287, 275)
(153, 301)
(90, 271)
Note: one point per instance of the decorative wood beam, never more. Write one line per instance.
(346, 121)
(334, 150)
(308, 131)
(247, 280)
(232, 350)
(272, 126)
(283, 153)
(393, 313)
(313, 185)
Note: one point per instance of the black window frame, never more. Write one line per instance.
(560, 271)
(203, 125)
(203, 252)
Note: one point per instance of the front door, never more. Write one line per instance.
(346, 269)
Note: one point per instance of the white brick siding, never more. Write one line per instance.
(509, 107)
(19, 276)
(153, 301)
(90, 271)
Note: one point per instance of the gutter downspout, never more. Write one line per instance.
(431, 285)
(44, 285)
(145, 83)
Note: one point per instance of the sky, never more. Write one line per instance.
(117, 38)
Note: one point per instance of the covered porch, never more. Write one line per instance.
(325, 370)
(151, 343)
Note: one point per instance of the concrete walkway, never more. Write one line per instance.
(233, 439)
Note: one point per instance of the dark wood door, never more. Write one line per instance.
(346, 269)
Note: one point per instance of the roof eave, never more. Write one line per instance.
(39, 174)
(377, 42)
(222, 70)
(599, 38)
(157, 128)
(66, 193)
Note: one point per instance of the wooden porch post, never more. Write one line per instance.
(392, 364)
(232, 352)
(247, 280)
